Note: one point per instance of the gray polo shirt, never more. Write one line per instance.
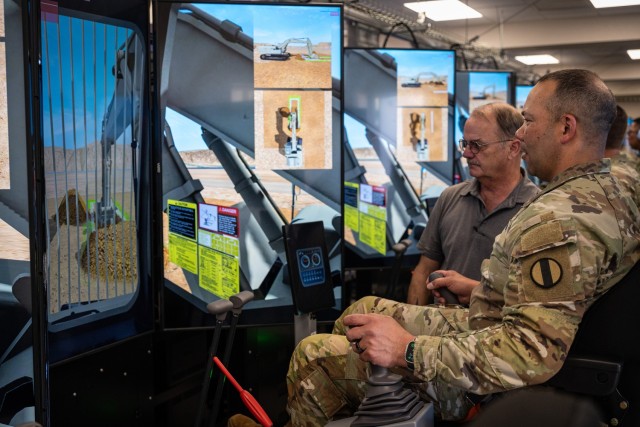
(460, 232)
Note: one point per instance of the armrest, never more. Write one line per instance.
(590, 376)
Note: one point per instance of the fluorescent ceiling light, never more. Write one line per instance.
(444, 10)
(537, 59)
(634, 53)
(614, 3)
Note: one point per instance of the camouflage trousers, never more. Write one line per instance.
(327, 379)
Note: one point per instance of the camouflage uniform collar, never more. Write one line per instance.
(601, 166)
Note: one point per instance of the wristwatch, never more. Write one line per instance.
(408, 354)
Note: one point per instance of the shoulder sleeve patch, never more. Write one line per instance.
(543, 235)
(547, 275)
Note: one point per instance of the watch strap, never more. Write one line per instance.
(409, 353)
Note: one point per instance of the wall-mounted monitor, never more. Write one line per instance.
(398, 139)
(252, 140)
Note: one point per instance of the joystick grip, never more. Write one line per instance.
(448, 296)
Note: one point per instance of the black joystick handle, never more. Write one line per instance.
(448, 296)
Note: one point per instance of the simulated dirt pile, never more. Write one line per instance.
(110, 252)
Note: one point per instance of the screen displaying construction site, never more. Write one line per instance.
(425, 84)
(252, 138)
(398, 117)
(293, 81)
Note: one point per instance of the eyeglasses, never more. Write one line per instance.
(477, 145)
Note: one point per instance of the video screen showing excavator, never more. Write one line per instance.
(398, 118)
(425, 86)
(251, 144)
(476, 88)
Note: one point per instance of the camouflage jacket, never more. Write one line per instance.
(561, 252)
(626, 168)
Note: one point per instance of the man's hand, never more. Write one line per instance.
(379, 339)
(456, 282)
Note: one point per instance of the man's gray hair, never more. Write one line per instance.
(507, 117)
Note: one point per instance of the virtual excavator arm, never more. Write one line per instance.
(484, 93)
(415, 82)
(278, 52)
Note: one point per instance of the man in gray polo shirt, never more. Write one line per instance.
(468, 216)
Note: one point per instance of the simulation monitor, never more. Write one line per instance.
(251, 144)
(398, 118)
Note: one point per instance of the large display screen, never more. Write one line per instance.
(252, 143)
(398, 139)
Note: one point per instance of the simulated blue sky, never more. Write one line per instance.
(355, 132)
(479, 81)
(187, 134)
(521, 94)
(87, 48)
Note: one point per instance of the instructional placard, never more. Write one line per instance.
(219, 249)
(373, 233)
(351, 205)
(183, 247)
(183, 218)
(372, 217)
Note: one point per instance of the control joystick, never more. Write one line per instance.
(448, 296)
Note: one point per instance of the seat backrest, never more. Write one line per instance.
(609, 332)
(609, 327)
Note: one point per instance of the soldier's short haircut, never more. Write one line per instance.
(615, 138)
(584, 95)
(507, 117)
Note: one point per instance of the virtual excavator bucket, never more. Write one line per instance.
(419, 121)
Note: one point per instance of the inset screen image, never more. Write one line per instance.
(488, 87)
(294, 129)
(425, 78)
(294, 49)
(422, 134)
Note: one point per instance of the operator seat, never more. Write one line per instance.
(603, 366)
(604, 360)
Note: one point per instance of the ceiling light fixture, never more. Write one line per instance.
(614, 3)
(634, 53)
(537, 59)
(444, 10)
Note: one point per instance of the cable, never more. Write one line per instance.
(401, 24)
(459, 48)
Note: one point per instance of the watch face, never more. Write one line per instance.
(408, 354)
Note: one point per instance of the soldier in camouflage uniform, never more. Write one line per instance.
(624, 165)
(560, 253)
